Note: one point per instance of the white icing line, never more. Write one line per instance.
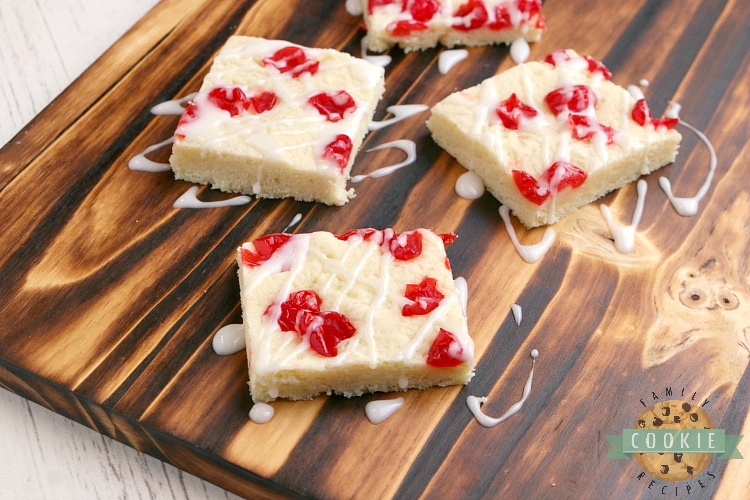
(625, 235)
(519, 50)
(463, 292)
(399, 112)
(449, 58)
(379, 411)
(229, 339)
(261, 413)
(141, 163)
(188, 199)
(517, 313)
(689, 206)
(381, 60)
(173, 107)
(297, 218)
(474, 403)
(529, 253)
(406, 145)
(469, 186)
(354, 7)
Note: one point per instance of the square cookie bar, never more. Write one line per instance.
(278, 120)
(550, 137)
(367, 311)
(421, 24)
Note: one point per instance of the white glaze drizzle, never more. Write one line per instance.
(673, 110)
(379, 60)
(174, 106)
(469, 186)
(449, 58)
(624, 236)
(529, 253)
(189, 199)
(141, 163)
(519, 50)
(379, 411)
(354, 7)
(636, 92)
(294, 222)
(474, 403)
(406, 145)
(517, 313)
(689, 206)
(229, 339)
(463, 292)
(261, 413)
(399, 112)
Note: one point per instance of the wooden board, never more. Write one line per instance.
(111, 297)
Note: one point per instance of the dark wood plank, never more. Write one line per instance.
(110, 296)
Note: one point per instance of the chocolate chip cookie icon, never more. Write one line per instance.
(674, 414)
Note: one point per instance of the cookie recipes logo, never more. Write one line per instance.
(674, 440)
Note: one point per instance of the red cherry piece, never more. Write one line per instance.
(301, 313)
(584, 128)
(511, 111)
(263, 101)
(541, 24)
(529, 187)
(292, 60)
(365, 234)
(338, 151)
(265, 247)
(530, 7)
(424, 10)
(642, 115)
(445, 351)
(405, 28)
(573, 98)
(448, 238)
(326, 330)
(406, 246)
(598, 66)
(291, 317)
(470, 16)
(403, 246)
(536, 191)
(190, 114)
(568, 175)
(333, 105)
(425, 297)
(230, 99)
(559, 55)
(594, 66)
(502, 19)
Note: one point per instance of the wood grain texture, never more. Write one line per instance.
(112, 296)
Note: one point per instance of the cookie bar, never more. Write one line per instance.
(550, 137)
(278, 120)
(366, 311)
(421, 24)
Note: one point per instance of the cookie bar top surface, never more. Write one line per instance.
(420, 24)
(293, 75)
(541, 127)
(345, 310)
(283, 112)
